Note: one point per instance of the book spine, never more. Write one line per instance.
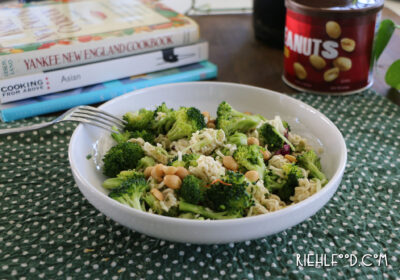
(57, 57)
(23, 87)
(114, 89)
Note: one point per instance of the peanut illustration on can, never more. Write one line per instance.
(343, 63)
(331, 74)
(300, 71)
(286, 52)
(348, 44)
(317, 62)
(333, 29)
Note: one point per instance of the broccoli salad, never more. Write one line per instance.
(184, 163)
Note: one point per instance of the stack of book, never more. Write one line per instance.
(60, 54)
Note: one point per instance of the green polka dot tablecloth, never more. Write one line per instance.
(48, 230)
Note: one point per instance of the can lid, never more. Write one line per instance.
(326, 3)
(319, 8)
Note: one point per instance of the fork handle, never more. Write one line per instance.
(24, 128)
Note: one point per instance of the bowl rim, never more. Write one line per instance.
(180, 221)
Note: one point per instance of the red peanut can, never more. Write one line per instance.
(328, 45)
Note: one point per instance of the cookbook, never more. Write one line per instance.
(57, 34)
(19, 88)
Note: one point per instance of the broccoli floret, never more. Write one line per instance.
(270, 136)
(187, 160)
(172, 212)
(250, 158)
(230, 120)
(284, 187)
(188, 120)
(291, 168)
(153, 203)
(145, 162)
(310, 161)
(197, 209)
(236, 178)
(162, 109)
(164, 118)
(293, 174)
(114, 183)
(123, 156)
(229, 194)
(292, 182)
(130, 174)
(238, 138)
(157, 152)
(121, 137)
(139, 120)
(146, 135)
(131, 192)
(192, 189)
(273, 182)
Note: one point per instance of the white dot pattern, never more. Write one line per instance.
(48, 229)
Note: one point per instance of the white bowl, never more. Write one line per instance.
(303, 119)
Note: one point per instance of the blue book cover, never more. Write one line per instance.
(105, 91)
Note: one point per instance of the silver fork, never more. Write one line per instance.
(82, 114)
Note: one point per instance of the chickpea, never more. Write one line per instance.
(253, 141)
(147, 171)
(252, 175)
(230, 163)
(170, 170)
(266, 154)
(211, 124)
(158, 172)
(157, 194)
(181, 172)
(172, 181)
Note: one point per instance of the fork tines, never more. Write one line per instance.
(97, 117)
